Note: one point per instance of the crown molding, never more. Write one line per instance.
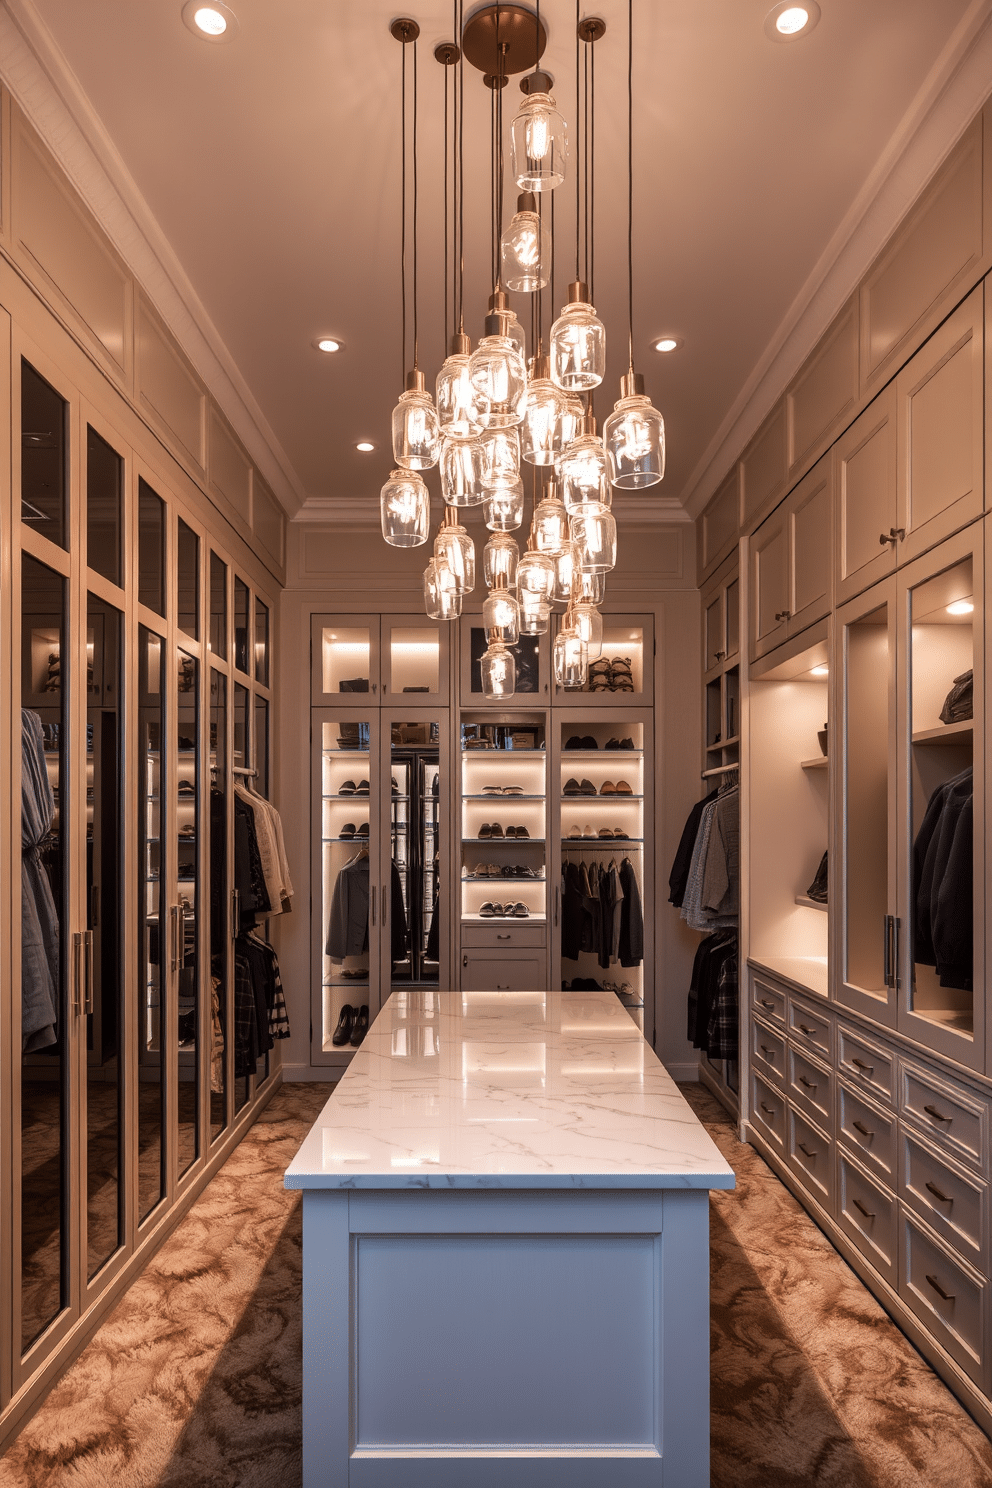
(53, 101)
(951, 95)
(633, 512)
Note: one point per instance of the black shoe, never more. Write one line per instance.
(346, 1024)
(361, 1026)
(817, 890)
(588, 742)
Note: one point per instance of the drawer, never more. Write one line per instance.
(768, 1052)
(809, 1030)
(811, 1087)
(768, 1000)
(811, 1158)
(507, 971)
(946, 1295)
(501, 933)
(868, 1214)
(768, 1112)
(866, 1064)
(869, 1132)
(954, 1119)
(951, 1201)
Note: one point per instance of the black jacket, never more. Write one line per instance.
(943, 881)
(679, 876)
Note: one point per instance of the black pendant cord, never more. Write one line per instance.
(630, 181)
(403, 214)
(461, 168)
(501, 55)
(578, 172)
(448, 291)
(415, 203)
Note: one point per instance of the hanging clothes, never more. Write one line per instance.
(713, 1002)
(943, 872)
(260, 1014)
(721, 874)
(726, 869)
(631, 945)
(39, 915)
(601, 913)
(261, 866)
(679, 876)
(348, 929)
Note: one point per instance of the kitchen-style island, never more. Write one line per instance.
(506, 1253)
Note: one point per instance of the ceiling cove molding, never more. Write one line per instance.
(52, 99)
(956, 88)
(633, 513)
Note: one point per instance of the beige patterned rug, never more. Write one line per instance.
(194, 1382)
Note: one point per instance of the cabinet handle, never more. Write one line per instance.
(808, 1083)
(862, 1210)
(809, 1032)
(859, 1126)
(88, 944)
(937, 1193)
(768, 1053)
(947, 1296)
(890, 950)
(372, 903)
(866, 1069)
(557, 899)
(77, 942)
(375, 686)
(464, 960)
(383, 906)
(782, 614)
(932, 1111)
(766, 1003)
(502, 986)
(768, 1110)
(894, 535)
(719, 655)
(803, 1148)
(504, 937)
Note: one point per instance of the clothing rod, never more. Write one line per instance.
(618, 844)
(240, 770)
(720, 770)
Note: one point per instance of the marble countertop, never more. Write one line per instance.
(506, 1090)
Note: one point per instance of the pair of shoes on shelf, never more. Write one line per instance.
(619, 744)
(582, 984)
(504, 911)
(350, 830)
(502, 790)
(621, 788)
(586, 741)
(353, 1025)
(349, 788)
(625, 992)
(573, 787)
(355, 973)
(494, 829)
(578, 833)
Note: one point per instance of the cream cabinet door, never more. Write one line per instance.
(940, 421)
(866, 504)
(808, 513)
(770, 584)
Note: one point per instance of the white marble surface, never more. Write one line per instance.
(506, 1090)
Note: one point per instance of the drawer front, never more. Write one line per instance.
(488, 972)
(868, 1214)
(951, 1201)
(810, 1030)
(500, 934)
(869, 1132)
(811, 1087)
(867, 1066)
(768, 1052)
(954, 1119)
(945, 1294)
(811, 1158)
(768, 1112)
(769, 1001)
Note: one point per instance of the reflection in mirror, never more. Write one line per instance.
(44, 955)
(104, 494)
(185, 928)
(151, 548)
(188, 561)
(44, 482)
(104, 881)
(241, 625)
(152, 941)
(261, 642)
(415, 910)
(219, 936)
(218, 607)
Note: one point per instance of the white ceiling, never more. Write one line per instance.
(272, 167)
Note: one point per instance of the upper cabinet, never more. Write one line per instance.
(722, 616)
(622, 673)
(720, 523)
(764, 466)
(867, 504)
(379, 657)
(790, 562)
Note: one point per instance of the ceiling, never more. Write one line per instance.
(272, 167)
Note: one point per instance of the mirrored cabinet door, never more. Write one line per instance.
(153, 978)
(184, 914)
(220, 897)
(415, 912)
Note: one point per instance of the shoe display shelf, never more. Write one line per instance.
(622, 675)
(504, 786)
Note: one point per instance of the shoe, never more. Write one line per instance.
(348, 830)
(346, 1023)
(606, 831)
(623, 789)
(521, 912)
(496, 830)
(186, 788)
(626, 744)
(491, 790)
(574, 832)
(485, 830)
(393, 786)
(607, 788)
(571, 787)
(588, 742)
(513, 790)
(434, 787)
(487, 910)
(363, 830)
(612, 744)
(362, 788)
(621, 683)
(587, 788)
(348, 788)
(522, 832)
(361, 1026)
(587, 831)
(574, 742)
(620, 833)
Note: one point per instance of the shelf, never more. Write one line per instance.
(814, 764)
(487, 881)
(528, 919)
(810, 903)
(611, 796)
(501, 798)
(502, 841)
(806, 973)
(598, 754)
(599, 841)
(948, 733)
(517, 753)
(960, 1020)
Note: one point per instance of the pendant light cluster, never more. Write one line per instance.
(494, 412)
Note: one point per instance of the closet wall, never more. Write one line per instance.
(140, 561)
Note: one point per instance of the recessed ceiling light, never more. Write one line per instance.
(819, 671)
(960, 607)
(328, 344)
(210, 20)
(667, 343)
(790, 22)
(365, 446)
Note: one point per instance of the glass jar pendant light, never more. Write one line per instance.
(500, 561)
(634, 436)
(461, 468)
(535, 574)
(456, 411)
(500, 457)
(440, 604)
(550, 523)
(535, 613)
(589, 588)
(578, 343)
(525, 249)
(595, 538)
(570, 655)
(541, 429)
(566, 566)
(405, 509)
(501, 616)
(589, 623)
(499, 670)
(582, 471)
(538, 139)
(416, 432)
(499, 376)
(454, 556)
(503, 508)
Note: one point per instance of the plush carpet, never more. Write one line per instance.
(194, 1381)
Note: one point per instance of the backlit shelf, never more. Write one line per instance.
(814, 764)
(809, 903)
(948, 733)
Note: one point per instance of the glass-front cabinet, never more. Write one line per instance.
(621, 665)
(384, 656)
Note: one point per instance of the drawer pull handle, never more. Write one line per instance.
(782, 614)
(858, 1126)
(768, 1110)
(504, 937)
(809, 1032)
(937, 1116)
(767, 1002)
(808, 1083)
(768, 1053)
(866, 1069)
(947, 1296)
(932, 1187)
(862, 1210)
(803, 1148)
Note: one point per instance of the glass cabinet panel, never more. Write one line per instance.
(414, 658)
(152, 938)
(44, 466)
(504, 785)
(219, 901)
(188, 565)
(242, 699)
(45, 956)
(529, 653)
(350, 911)
(345, 658)
(104, 887)
(151, 548)
(185, 914)
(218, 607)
(621, 672)
(261, 642)
(413, 914)
(104, 514)
(262, 745)
(241, 625)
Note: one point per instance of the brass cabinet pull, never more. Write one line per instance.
(809, 1032)
(766, 1002)
(768, 1053)
(862, 1129)
(937, 1193)
(77, 1001)
(862, 1210)
(865, 1069)
(504, 937)
(808, 1083)
(803, 1148)
(947, 1296)
(768, 1110)
(88, 944)
(932, 1111)
(372, 904)
(894, 535)
(782, 614)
